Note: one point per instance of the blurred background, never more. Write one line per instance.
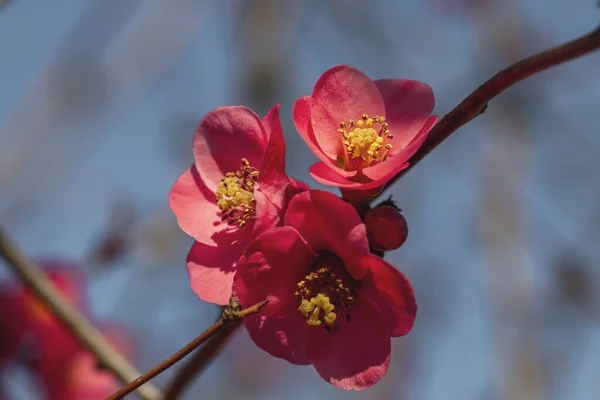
(98, 104)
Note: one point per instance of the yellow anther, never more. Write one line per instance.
(322, 296)
(314, 307)
(235, 195)
(365, 142)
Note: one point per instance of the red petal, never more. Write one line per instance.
(271, 268)
(341, 93)
(392, 293)
(356, 356)
(327, 222)
(211, 270)
(280, 337)
(407, 106)
(223, 137)
(272, 178)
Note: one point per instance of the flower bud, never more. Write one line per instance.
(386, 228)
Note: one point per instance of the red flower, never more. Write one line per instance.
(363, 131)
(332, 303)
(386, 228)
(77, 375)
(35, 337)
(236, 189)
(29, 328)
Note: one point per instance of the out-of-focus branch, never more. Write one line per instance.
(75, 321)
(231, 313)
(476, 103)
(199, 361)
(3, 2)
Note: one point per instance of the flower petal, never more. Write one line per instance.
(211, 270)
(280, 337)
(223, 137)
(327, 222)
(341, 93)
(356, 356)
(267, 214)
(386, 170)
(196, 208)
(407, 106)
(271, 268)
(326, 176)
(301, 114)
(392, 293)
(272, 177)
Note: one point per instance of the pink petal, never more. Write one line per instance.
(356, 356)
(301, 113)
(326, 176)
(341, 93)
(223, 137)
(280, 337)
(407, 106)
(272, 177)
(386, 170)
(327, 222)
(269, 120)
(211, 270)
(267, 214)
(271, 268)
(195, 207)
(392, 293)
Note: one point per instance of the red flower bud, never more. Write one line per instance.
(386, 228)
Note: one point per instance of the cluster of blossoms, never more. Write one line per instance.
(259, 234)
(31, 336)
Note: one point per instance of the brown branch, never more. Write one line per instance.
(200, 360)
(476, 103)
(71, 318)
(231, 313)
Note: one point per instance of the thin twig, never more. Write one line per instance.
(199, 361)
(73, 320)
(476, 103)
(231, 313)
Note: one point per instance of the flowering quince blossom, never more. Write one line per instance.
(331, 302)
(386, 228)
(24, 318)
(236, 189)
(75, 375)
(38, 340)
(363, 131)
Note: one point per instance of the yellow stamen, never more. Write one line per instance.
(365, 142)
(323, 296)
(235, 195)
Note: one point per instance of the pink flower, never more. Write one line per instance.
(236, 189)
(363, 131)
(332, 303)
(386, 228)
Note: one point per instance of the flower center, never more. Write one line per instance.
(235, 195)
(365, 142)
(325, 294)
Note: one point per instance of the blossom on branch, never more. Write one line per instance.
(331, 303)
(236, 189)
(363, 131)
